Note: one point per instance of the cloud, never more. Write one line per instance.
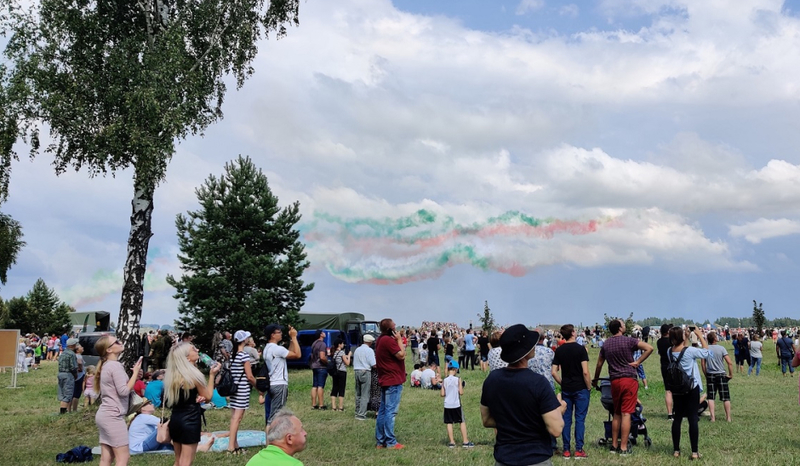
(368, 112)
(526, 6)
(570, 10)
(763, 228)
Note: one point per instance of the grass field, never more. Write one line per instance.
(763, 431)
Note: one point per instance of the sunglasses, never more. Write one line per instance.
(117, 343)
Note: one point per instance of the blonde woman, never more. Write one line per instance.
(183, 383)
(114, 385)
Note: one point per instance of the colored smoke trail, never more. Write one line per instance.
(104, 282)
(424, 244)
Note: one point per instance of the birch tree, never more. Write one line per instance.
(119, 83)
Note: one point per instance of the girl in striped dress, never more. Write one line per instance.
(243, 378)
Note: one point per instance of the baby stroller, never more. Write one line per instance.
(638, 421)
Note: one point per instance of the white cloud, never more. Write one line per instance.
(369, 111)
(526, 6)
(763, 228)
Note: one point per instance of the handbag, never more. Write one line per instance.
(162, 431)
(135, 402)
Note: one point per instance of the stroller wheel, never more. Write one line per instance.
(601, 441)
(647, 442)
(633, 442)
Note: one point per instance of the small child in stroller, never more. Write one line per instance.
(638, 421)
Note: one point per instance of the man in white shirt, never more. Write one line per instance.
(275, 357)
(363, 362)
(430, 377)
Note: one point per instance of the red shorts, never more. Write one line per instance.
(624, 393)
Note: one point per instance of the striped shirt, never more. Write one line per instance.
(241, 396)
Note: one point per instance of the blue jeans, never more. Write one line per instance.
(757, 364)
(151, 444)
(384, 425)
(786, 361)
(579, 402)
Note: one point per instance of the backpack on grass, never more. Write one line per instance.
(677, 381)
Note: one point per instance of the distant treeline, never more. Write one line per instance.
(780, 322)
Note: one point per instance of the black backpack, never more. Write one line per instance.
(332, 366)
(225, 386)
(262, 378)
(677, 381)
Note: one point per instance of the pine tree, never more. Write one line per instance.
(59, 319)
(487, 319)
(19, 315)
(758, 316)
(241, 256)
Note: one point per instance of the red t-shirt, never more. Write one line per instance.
(139, 387)
(391, 371)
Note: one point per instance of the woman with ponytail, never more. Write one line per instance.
(114, 386)
(183, 383)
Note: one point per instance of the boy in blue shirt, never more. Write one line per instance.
(452, 389)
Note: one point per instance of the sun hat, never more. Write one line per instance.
(516, 342)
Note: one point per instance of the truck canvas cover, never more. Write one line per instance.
(336, 321)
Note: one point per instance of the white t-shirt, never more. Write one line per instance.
(275, 357)
(427, 376)
(415, 375)
(451, 398)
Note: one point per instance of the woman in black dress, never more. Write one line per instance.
(183, 383)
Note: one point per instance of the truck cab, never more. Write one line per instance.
(350, 327)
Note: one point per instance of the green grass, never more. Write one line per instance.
(763, 430)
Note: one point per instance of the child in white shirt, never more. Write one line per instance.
(415, 376)
(452, 389)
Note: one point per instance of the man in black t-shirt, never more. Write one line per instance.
(520, 403)
(664, 346)
(572, 360)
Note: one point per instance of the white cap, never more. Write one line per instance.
(368, 338)
(241, 335)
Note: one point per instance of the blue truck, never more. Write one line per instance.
(349, 326)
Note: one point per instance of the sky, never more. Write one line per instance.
(559, 160)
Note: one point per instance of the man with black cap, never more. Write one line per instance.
(520, 403)
(275, 357)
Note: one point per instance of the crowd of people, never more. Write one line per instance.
(536, 392)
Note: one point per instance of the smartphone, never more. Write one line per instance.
(691, 328)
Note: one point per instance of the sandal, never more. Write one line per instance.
(695, 456)
(677, 454)
(235, 452)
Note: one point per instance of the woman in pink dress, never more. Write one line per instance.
(114, 386)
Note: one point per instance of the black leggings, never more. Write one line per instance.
(686, 406)
(339, 383)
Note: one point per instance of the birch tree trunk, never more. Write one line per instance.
(130, 309)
